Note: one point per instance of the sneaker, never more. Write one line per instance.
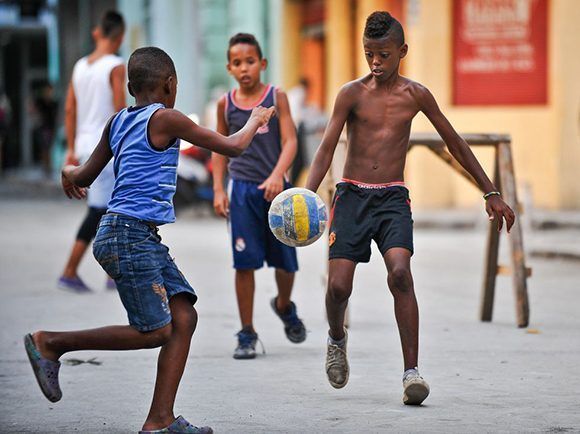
(74, 284)
(337, 369)
(180, 425)
(246, 348)
(110, 284)
(415, 388)
(293, 326)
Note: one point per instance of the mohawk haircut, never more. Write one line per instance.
(148, 67)
(244, 38)
(112, 24)
(382, 25)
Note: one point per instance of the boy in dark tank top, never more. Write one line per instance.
(256, 177)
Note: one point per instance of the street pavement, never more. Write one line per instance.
(484, 377)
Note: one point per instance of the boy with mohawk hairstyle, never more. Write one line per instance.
(372, 203)
(144, 139)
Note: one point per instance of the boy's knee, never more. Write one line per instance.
(244, 275)
(283, 273)
(189, 321)
(400, 279)
(186, 321)
(159, 337)
(339, 291)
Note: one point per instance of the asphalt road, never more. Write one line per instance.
(484, 377)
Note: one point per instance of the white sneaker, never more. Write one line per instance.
(415, 388)
(337, 369)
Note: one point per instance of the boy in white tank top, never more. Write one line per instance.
(95, 93)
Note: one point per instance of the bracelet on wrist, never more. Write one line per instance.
(491, 193)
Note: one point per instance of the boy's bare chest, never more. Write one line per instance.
(373, 110)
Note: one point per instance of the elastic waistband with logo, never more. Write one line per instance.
(374, 186)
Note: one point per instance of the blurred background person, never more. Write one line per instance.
(95, 93)
(45, 108)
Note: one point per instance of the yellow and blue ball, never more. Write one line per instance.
(297, 217)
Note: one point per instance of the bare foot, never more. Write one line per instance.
(40, 340)
(155, 423)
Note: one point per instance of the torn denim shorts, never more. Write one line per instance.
(131, 252)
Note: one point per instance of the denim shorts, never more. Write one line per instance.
(131, 252)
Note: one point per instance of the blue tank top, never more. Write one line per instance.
(145, 178)
(258, 161)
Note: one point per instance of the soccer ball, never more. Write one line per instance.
(297, 217)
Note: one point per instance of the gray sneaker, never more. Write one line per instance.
(246, 348)
(337, 369)
(415, 388)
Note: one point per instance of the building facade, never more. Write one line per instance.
(525, 41)
(494, 66)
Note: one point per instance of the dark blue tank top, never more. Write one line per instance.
(258, 161)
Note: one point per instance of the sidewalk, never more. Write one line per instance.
(485, 377)
(547, 234)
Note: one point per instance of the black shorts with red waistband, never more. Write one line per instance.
(364, 212)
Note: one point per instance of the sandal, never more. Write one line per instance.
(45, 371)
(181, 426)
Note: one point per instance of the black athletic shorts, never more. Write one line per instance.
(364, 212)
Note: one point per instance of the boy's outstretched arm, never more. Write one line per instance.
(275, 182)
(496, 208)
(168, 124)
(75, 178)
(219, 164)
(325, 152)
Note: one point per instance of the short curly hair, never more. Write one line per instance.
(244, 38)
(148, 67)
(382, 25)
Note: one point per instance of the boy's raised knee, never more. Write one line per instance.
(159, 337)
(186, 320)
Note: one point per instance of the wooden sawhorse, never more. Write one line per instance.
(504, 180)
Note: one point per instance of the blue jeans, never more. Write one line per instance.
(131, 252)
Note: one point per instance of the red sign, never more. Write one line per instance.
(500, 52)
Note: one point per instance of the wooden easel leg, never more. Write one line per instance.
(516, 240)
(490, 266)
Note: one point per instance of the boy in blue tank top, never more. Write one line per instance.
(144, 139)
(257, 176)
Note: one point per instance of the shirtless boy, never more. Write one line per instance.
(372, 202)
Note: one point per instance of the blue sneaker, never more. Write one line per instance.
(246, 348)
(293, 326)
(74, 284)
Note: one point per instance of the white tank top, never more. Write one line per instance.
(94, 100)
